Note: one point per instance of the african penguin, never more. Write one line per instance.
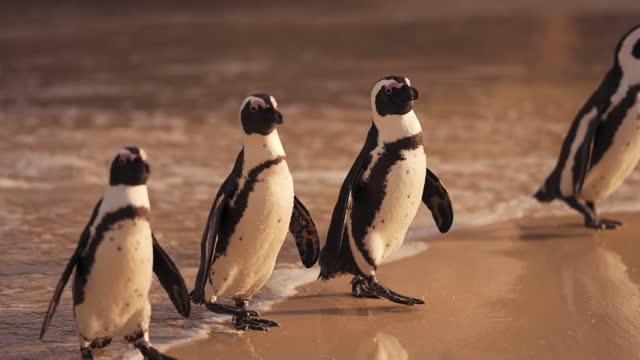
(113, 262)
(603, 144)
(382, 192)
(249, 219)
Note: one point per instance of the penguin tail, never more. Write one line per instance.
(335, 261)
(325, 275)
(543, 196)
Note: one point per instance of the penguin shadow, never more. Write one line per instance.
(569, 231)
(321, 296)
(344, 296)
(364, 311)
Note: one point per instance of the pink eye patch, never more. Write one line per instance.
(393, 85)
(124, 155)
(255, 102)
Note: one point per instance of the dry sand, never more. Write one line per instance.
(523, 289)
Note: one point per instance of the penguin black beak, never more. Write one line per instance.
(278, 118)
(415, 95)
(407, 94)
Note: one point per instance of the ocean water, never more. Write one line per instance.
(499, 87)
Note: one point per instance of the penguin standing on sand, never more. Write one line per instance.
(381, 194)
(603, 144)
(113, 262)
(249, 220)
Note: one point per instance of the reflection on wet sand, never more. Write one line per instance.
(387, 347)
(525, 289)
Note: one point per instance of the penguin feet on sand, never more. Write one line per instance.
(243, 319)
(151, 353)
(370, 287)
(244, 322)
(86, 352)
(602, 224)
(140, 342)
(591, 220)
(360, 289)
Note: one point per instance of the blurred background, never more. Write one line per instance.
(500, 82)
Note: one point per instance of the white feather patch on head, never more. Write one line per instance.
(629, 64)
(273, 102)
(143, 154)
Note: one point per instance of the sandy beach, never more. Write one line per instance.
(524, 289)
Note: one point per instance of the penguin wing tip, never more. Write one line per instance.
(186, 312)
(542, 196)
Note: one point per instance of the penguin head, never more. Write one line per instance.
(130, 167)
(393, 95)
(259, 114)
(628, 55)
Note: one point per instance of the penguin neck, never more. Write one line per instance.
(394, 127)
(260, 148)
(119, 196)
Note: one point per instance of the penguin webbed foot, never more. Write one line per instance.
(360, 290)
(372, 288)
(151, 353)
(244, 322)
(603, 224)
(140, 342)
(591, 220)
(86, 353)
(243, 319)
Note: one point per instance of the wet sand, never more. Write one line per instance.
(523, 289)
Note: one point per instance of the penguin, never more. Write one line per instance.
(602, 146)
(113, 265)
(381, 194)
(249, 219)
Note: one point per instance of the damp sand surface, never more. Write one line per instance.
(523, 289)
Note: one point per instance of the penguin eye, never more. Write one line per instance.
(636, 50)
(253, 108)
(388, 91)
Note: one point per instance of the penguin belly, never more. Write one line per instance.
(117, 288)
(254, 246)
(404, 187)
(618, 161)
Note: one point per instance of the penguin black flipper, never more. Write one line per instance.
(171, 279)
(66, 274)
(209, 241)
(578, 144)
(436, 197)
(582, 157)
(305, 232)
(335, 258)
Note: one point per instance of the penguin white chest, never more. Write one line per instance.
(118, 284)
(618, 162)
(404, 187)
(259, 235)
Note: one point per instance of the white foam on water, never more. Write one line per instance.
(12, 184)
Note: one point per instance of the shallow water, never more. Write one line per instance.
(499, 89)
